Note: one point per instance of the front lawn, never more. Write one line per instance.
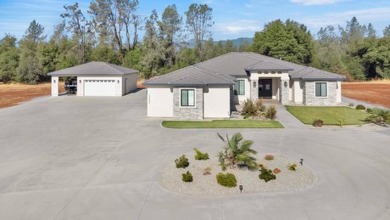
(223, 124)
(330, 115)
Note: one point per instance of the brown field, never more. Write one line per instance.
(14, 94)
(375, 92)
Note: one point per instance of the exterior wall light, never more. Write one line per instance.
(80, 81)
(285, 84)
(118, 81)
(54, 81)
(254, 84)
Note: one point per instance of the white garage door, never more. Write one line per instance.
(99, 87)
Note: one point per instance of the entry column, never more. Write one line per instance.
(54, 86)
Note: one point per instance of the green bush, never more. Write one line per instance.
(270, 113)
(182, 162)
(266, 175)
(228, 179)
(360, 107)
(187, 177)
(200, 155)
(292, 167)
(379, 116)
(249, 108)
(369, 110)
(318, 123)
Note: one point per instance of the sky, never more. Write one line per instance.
(233, 18)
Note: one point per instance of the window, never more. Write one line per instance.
(239, 87)
(321, 89)
(187, 97)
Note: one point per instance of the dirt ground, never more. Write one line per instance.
(376, 92)
(14, 94)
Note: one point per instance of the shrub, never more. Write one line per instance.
(379, 116)
(187, 177)
(266, 175)
(269, 157)
(228, 179)
(260, 106)
(318, 123)
(360, 107)
(292, 167)
(182, 162)
(237, 152)
(369, 110)
(248, 108)
(200, 155)
(270, 113)
(351, 104)
(207, 171)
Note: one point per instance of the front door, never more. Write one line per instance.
(265, 88)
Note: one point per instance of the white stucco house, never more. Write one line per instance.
(97, 79)
(209, 89)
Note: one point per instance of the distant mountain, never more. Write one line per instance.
(236, 42)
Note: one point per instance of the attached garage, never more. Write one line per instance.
(98, 79)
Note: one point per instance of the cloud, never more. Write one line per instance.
(368, 15)
(315, 2)
(238, 27)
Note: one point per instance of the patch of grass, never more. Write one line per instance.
(329, 115)
(223, 124)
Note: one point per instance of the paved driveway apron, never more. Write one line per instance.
(100, 158)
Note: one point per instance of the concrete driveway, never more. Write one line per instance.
(99, 158)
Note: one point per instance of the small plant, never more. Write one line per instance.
(369, 110)
(248, 108)
(360, 107)
(261, 166)
(187, 177)
(182, 162)
(269, 157)
(379, 116)
(351, 104)
(207, 171)
(270, 113)
(276, 171)
(260, 106)
(266, 175)
(318, 123)
(292, 167)
(200, 155)
(237, 152)
(228, 179)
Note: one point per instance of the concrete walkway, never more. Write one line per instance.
(100, 158)
(282, 115)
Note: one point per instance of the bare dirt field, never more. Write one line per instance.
(375, 92)
(14, 94)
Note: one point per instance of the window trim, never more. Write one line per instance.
(237, 90)
(180, 98)
(315, 89)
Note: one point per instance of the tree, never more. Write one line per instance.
(169, 26)
(288, 40)
(152, 48)
(9, 58)
(198, 22)
(80, 28)
(386, 31)
(113, 18)
(237, 152)
(30, 69)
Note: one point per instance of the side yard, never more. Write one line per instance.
(375, 92)
(329, 115)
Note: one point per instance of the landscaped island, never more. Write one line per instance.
(205, 173)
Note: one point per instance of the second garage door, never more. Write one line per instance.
(99, 87)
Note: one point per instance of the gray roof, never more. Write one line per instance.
(238, 64)
(93, 69)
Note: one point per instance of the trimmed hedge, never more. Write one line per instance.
(228, 179)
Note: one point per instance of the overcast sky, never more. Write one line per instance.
(233, 18)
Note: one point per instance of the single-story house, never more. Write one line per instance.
(209, 89)
(97, 79)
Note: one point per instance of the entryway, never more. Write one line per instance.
(265, 88)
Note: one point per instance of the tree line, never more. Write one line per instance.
(110, 33)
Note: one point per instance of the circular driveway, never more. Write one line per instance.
(100, 158)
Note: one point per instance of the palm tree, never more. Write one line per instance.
(237, 152)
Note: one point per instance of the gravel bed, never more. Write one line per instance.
(204, 185)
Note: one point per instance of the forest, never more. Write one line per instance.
(109, 31)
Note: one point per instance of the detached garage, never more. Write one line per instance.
(97, 79)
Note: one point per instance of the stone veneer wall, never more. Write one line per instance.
(284, 92)
(188, 112)
(309, 97)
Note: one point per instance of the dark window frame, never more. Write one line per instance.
(320, 90)
(187, 100)
(239, 87)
